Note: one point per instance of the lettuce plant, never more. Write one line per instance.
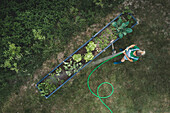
(91, 46)
(77, 57)
(88, 56)
(121, 27)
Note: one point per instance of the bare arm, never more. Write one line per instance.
(128, 58)
(127, 50)
(130, 47)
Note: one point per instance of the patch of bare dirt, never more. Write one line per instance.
(70, 48)
(60, 57)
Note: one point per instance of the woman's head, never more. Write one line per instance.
(140, 53)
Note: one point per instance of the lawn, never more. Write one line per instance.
(140, 87)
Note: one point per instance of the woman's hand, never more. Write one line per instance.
(126, 49)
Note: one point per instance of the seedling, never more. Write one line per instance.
(46, 87)
(72, 67)
(68, 73)
(91, 46)
(62, 81)
(58, 70)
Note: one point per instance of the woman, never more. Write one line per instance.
(132, 53)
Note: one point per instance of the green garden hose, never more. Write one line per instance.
(102, 83)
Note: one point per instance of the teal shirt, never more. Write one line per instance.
(130, 53)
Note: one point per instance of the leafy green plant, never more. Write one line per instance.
(62, 81)
(72, 67)
(58, 71)
(54, 74)
(106, 41)
(127, 10)
(37, 34)
(99, 3)
(46, 87)
(96, 40)
(100, 42)
(69, 72)
(121, 28)
(67, 64)
(42, 88)
(53, 77)
(77, 57)
(91, 46)
(74, 11)
(77, 66)
(12, 55)
(108, 31)
(88, 56)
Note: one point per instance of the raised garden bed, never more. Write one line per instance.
(116, 29)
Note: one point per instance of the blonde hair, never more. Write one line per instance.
(140, 52)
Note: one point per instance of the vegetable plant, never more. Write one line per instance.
(91, 46)
(102, 41)
(77, 57)
(41, 86)
(71, 67)
(46, 87)
(62, 81)
(88, 56)
(96, 40)
(107, 31)
(58, 71)
(121, 29)
(69, 72)
(126, 11)
(52, 75)
(77, 66)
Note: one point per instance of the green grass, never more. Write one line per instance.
(140, 87)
